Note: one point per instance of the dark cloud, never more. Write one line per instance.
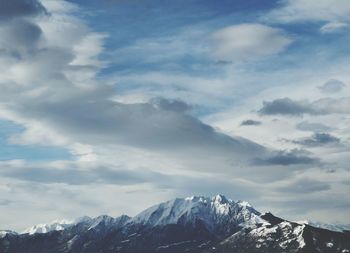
(250, 122)
(305, 186)
(286, 158)
(284, 106)
(5, 202)
(164, 126)
(171, 104)
(19, 37)
(318, 139)
(19, 8)
(314, 127)
(289, 107)
(332, 86)
(222, 62)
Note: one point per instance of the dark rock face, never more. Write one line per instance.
(191, 232)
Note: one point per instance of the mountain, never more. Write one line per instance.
(45, 228)
(3, 233)
(193, 225)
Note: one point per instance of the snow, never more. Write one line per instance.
(102, 219)
(55, 225)
(289, 233)
(212, 211)
(298, 231)
(107, 221)
(173, 244)
(329, 245)
(3, 233)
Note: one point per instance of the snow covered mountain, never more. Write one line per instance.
(213, 212)
(194, 225)
(3, 233)
(45, 228)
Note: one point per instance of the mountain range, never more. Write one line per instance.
(193, 225)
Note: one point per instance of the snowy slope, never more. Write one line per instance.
(102, 222)
(215, 213)
(55, 225)
(3, 233)
(211, 211)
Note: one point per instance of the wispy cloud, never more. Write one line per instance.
(287, 158)
(332, 86)
(318, 139)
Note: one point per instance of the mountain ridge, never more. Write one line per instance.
(194, 224)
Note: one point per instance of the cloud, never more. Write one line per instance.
(318, 139)
(285, 106)
(250, 122)
(20, 37)
(334, 27)
(332, 105)
(314, 127)
(287, 158)
(289, 107)
(20, 8)
(74, 174)
(332, 86)
(77, 174)
(170, 104)
(5, 202)
(305, 185)
(246, 41)
(161, 126)
(311, 10)
(50, 88)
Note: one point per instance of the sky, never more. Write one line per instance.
(111, 106)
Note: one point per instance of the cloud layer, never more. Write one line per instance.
(165, 108)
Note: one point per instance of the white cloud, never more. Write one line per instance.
(311, 10)
(334, 27)
(247, 41)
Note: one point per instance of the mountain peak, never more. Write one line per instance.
(220, 199)
(55, 225)
(3, 233)
(212, 212)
